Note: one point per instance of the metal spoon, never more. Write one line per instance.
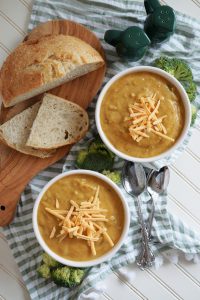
(157, 183)
(134, 182)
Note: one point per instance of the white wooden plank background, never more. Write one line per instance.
(170, 282)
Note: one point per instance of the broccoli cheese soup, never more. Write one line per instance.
(80, 217)
(142, 114)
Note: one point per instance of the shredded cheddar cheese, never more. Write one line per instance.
(84, 221)
(57, 203)
(144, 119)
(52, 234)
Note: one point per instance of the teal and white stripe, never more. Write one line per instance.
(100, 15)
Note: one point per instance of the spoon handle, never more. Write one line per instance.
(151, 217)
(141, 261)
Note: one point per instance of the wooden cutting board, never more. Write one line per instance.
(16, 169)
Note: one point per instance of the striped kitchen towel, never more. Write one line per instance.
(168, 230)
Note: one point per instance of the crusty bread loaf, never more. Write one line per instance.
(59, 122)
(36, 66)
(15, 132)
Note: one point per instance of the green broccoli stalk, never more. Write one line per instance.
(193, 114)
(67, 277)
(115, 176)
(49, 261)
(181, 71)
(44, 271)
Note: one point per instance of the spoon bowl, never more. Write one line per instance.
(158, 180)
(134, 178)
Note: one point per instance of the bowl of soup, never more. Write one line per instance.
(143, 114)
(81, 218)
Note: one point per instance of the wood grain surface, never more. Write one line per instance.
(16, 169)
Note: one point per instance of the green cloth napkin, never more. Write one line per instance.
(169, 230)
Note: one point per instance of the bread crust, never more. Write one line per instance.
(37, 62)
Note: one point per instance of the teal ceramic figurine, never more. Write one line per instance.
(161, 21)
(131, 43)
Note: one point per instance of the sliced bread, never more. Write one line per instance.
(37, 66)
(59, 122)
(15, 132)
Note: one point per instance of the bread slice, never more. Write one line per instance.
(15, 132)
(59, 122)
(37, 66)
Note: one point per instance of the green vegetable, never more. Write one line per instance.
(49, 261)
(97, 162)
(44, 271)
(115, 176)
(181, 71)
(97, 157)
(81, 157)
(61, 276)
(76, 276)
(67, 277)
(164, 63)
(176, 67)
(98, 146)
(191, 89)
(194, 114)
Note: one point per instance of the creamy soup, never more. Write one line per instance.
(129, 91)
(82, 189)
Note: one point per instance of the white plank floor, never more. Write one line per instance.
(180, 281)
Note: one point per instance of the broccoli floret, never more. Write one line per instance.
(49, 261)
(176, 67)
(194, 114)
(67, 277)
(115, 176)
(97, 162)
(181, 71)
(98, 146)
(164, 63)
(191, 89)
(61, 276)
(76, 276)
(81, 157)
(97, 157)
(44, 271)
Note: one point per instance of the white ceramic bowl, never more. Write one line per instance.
(100, 259)
(185, 101)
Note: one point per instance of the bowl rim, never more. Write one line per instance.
(184, 98)
(108, 255)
